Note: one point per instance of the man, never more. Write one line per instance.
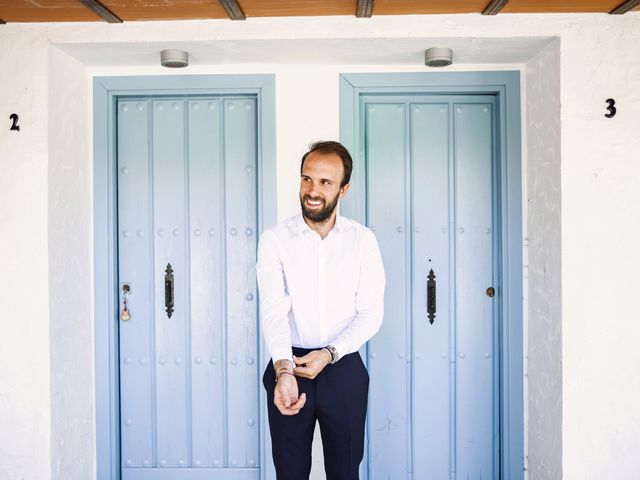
(321, 283)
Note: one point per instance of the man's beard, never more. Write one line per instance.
(318, 216)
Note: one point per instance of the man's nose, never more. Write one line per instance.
(313, 189)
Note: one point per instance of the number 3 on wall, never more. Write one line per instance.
(611, 108)
(14, 125)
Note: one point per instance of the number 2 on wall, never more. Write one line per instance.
(14, 125)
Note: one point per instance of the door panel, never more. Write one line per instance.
(206, 214)
(169, 217)
(242, 341)
(474, 315)
(386, 179)
(187, 207)
(137, 351)
(433, 399)
(430, 146)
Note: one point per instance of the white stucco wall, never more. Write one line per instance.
(543, 295)
(24, 342)
(600, 191)
(70, 306)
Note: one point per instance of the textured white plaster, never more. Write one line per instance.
(544, 293)
(24, 314)
(599, 196)
(600, 254)
(72, 386)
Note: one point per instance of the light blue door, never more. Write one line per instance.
(431, 198)
(187, 181)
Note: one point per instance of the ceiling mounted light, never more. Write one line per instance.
(438, 57)
(174, 58)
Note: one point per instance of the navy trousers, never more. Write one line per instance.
(337, 399)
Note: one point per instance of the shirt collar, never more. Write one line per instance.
(300, 226)
(342, 224)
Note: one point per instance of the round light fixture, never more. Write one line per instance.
(174, 58)
(438, 57)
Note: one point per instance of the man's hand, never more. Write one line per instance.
(285, 396)
(311, 364)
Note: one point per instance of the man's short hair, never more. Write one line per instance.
(328, 147)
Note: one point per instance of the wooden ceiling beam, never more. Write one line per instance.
(494, 7)
(625, 7)
(232, 7)
(99, 9)
(364, 9)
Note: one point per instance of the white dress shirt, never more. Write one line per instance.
(316, 292)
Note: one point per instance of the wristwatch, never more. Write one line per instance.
(333, 352)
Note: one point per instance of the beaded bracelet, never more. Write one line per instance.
(283, 371)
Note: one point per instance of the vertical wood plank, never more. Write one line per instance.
(206, 209)
(386, 210)
(135, 266)
(431, 233)
(240, 150)
(172, 356)
(475, 422)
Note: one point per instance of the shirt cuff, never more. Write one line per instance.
(282, 354)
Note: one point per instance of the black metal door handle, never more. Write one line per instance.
(168, 290)
(431, 296)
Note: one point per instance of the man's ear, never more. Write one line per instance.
(344, 190)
